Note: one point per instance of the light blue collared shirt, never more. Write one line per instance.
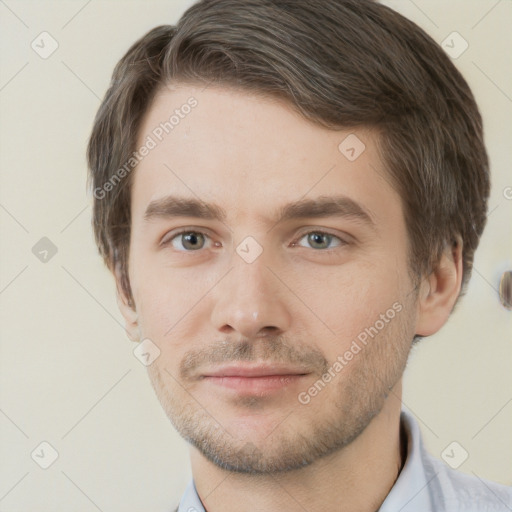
(425, 484)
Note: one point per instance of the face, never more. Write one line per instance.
(268, 264)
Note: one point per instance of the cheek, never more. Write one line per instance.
(349, 299)
(162, 311)
(171, 305)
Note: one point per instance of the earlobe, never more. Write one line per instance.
(127, 309)
(439, 291)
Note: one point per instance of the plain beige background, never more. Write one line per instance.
(68, 374)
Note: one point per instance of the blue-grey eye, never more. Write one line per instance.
(189, 241)
(319, 240)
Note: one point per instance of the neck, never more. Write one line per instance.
(357, 478)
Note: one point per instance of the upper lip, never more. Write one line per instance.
(246, 370)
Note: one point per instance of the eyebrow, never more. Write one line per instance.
(324, 206)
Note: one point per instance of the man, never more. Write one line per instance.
(289, 194)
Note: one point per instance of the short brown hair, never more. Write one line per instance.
(341, 64)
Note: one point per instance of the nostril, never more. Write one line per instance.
(265, 331)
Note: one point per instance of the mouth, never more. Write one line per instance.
(254, 379)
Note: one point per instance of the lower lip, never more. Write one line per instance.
(255, 385)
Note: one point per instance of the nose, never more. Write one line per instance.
(250, 302)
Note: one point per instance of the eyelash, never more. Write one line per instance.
(294, 243)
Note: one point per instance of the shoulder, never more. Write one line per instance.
(460, 492)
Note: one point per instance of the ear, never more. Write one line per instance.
(127, 308)
(439, 291)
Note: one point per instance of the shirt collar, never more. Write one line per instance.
(411, 491)
(190, 501)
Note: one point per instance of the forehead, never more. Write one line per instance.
(251, 155)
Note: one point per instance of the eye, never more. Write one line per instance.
(320, 240)
(187, 241)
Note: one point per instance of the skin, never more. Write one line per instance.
(301, 303)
